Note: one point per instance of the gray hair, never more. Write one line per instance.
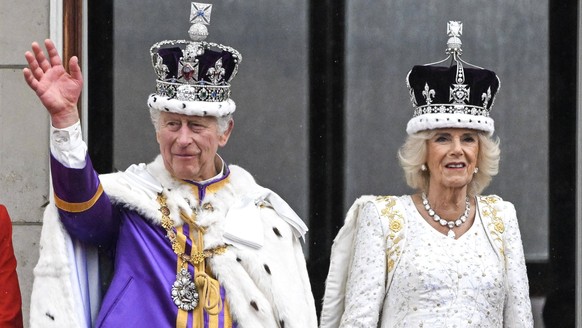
(412, 155)
(221, 121)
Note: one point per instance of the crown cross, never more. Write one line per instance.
(459, 94)
(454, 31)
(189, 71)
(200, 13)
(428, 94)
(216, 73)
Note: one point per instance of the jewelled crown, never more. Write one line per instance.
(451, 96)
(193, 77)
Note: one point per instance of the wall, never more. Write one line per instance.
(23, 134)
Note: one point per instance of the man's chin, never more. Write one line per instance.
(186, 174)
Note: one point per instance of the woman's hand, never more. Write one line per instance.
(57, 90)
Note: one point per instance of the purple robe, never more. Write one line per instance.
(145, 265)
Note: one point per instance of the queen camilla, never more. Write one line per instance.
(445, 256)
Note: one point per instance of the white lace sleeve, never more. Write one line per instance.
(517, 311)
(365, 287)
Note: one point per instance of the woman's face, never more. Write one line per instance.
(452, 157)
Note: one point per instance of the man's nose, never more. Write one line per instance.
(184, 135)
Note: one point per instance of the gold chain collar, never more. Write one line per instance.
(168, 224)
(203, 284)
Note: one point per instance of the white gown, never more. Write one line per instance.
(438, 281)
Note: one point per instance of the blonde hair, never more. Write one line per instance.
(412, 155)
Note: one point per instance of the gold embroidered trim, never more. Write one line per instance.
(496, 226)
(213, 188)
(78, 207)
(396, 224)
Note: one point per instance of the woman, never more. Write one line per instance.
(445, 256)
(10, 300)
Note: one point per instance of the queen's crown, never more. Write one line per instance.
(459, 95)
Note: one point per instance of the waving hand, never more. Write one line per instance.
(57, 89)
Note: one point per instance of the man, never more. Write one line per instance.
(195, 242)
(10, 299)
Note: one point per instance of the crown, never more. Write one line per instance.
(451, 96)
(193, 77)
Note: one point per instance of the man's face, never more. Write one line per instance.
(188, 145)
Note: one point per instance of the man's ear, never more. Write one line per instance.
(223, 139)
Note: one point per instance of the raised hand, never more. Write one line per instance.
(57, 90)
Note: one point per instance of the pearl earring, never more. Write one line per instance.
(423, 167)
(476, 170)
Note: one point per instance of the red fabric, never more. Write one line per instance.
(10, 299)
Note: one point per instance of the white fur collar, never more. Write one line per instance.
(138, 187)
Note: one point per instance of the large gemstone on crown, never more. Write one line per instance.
(187, 72)
(186, 93)
(203, 94)
(459, 93)
(459, 109)
(166, 89)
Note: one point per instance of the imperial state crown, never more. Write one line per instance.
(193, 76)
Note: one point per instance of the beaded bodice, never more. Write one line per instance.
(443, 282)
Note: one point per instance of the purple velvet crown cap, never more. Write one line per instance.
(171, 57)
(441, 80)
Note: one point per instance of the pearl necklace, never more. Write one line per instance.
(450, 224)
